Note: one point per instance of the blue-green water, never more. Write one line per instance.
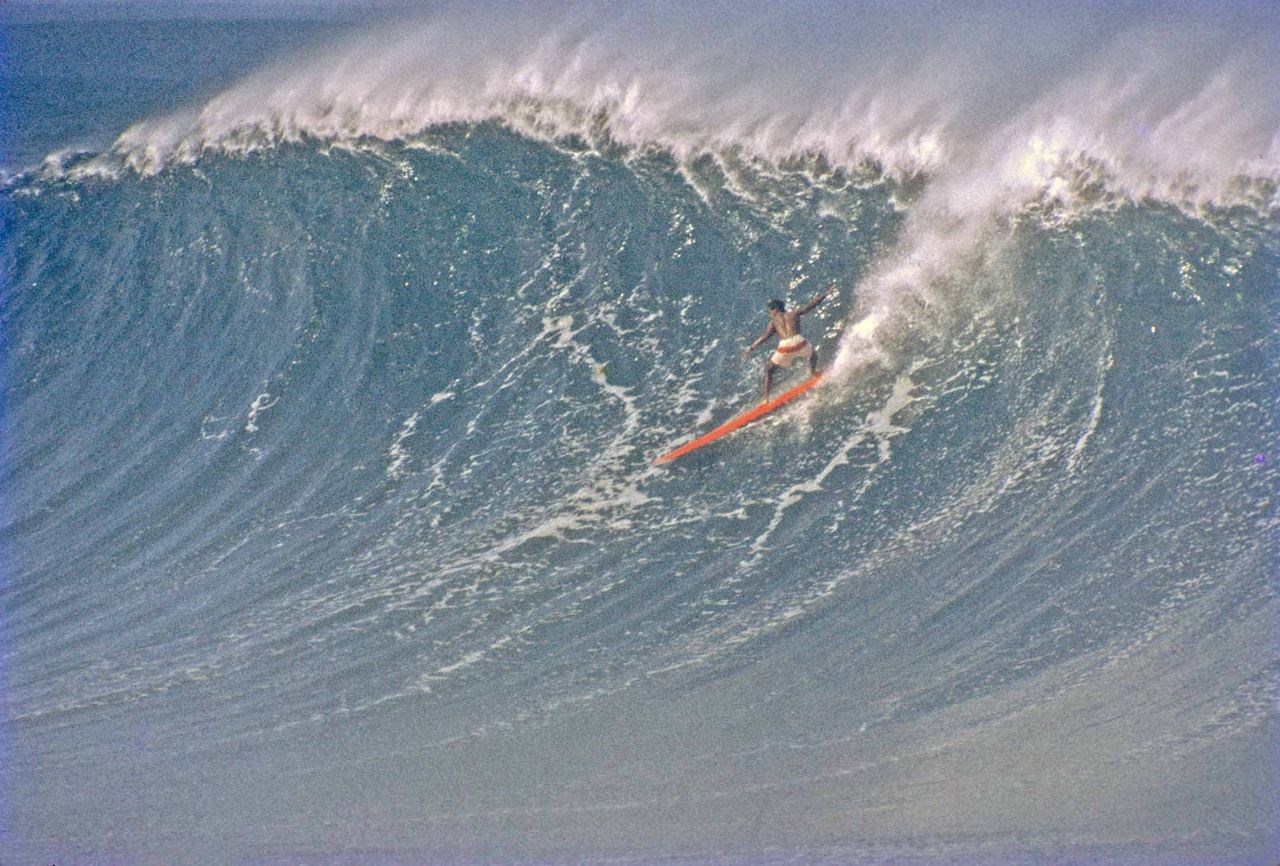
(331, 395)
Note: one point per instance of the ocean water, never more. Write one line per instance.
(336, 357)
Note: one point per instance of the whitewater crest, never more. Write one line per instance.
(1181, 120)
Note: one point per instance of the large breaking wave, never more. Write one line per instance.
(331, 404)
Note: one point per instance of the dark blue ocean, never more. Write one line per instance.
(336, 352)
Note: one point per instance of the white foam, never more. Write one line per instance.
(1173, 102)
(260, 404)
(879, 424)
(397, 453)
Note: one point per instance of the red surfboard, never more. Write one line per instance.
(741, 421)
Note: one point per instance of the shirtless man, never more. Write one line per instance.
(791, 345)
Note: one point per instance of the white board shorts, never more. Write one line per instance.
(791, 349)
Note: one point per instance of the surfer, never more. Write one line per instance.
(791, 345)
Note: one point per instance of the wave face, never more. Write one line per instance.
(330, 408)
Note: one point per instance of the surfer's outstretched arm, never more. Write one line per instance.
(768, 332)
(818, 299)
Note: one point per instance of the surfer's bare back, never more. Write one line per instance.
(791, 345)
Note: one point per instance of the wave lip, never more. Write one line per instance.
(1179, 109)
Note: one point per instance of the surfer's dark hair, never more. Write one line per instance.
(775, 304)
